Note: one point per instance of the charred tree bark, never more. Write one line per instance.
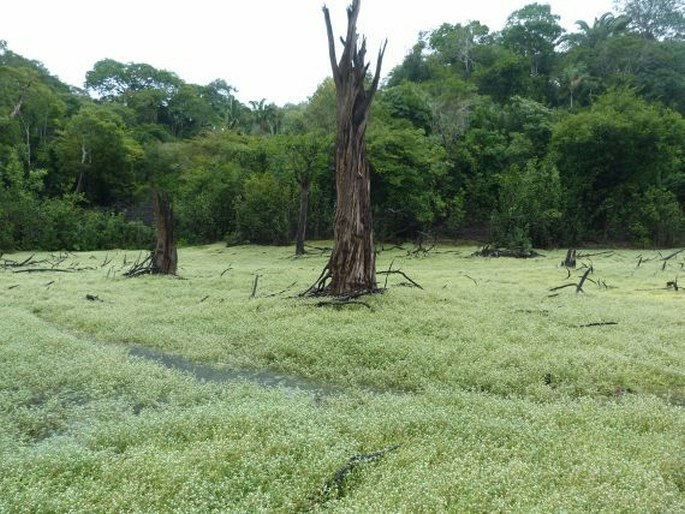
(165, 257)
(352, 265)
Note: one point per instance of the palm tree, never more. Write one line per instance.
(603, 28)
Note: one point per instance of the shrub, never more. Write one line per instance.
(656, 218)
(528, 212)
(63, 224)
(263, 210)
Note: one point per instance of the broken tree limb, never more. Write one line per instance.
(47, 270)
(254, 285)
(399, 272)
(588, 255)
(335, 486)
(271, 295)
(562, 287)
(139, 267)
(385, 284)
(669, 257)
(471, 279)
(598, 324)
(489, 251)
(579, 287)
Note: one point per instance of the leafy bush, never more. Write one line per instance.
(656, 218)
(63, 224)
(528, 212)
(263, 210)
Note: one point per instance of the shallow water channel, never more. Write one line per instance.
(211, 374)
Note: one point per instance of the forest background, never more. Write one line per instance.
(526, 136)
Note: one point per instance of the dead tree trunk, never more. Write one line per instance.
(352, 265)
(302, 219)
(164, 258)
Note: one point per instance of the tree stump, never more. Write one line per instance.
(165, 257)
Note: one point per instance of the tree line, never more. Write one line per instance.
(526, 136)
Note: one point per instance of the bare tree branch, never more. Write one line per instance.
(331, 45)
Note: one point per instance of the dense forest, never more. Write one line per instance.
(527, 136)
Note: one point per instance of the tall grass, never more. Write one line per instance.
(501, 395)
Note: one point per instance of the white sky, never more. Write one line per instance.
(272, 49)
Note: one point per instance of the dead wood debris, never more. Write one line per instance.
(47, 265)
(254, 285)
(140, 267)
(570, 261)
(335, 486)
(48, 270)
(271, 295)
(581, 282)
(596, 254)
(598, 324)
(579, 287)
(517, 253)
(412, 283)
(669, 257)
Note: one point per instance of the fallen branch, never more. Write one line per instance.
(488, 251)
(47, 270)
(562, 287)
(669, 257)
(139, 268)
(579, 287)
(588, 255)
(385, 285)
(335, 487)
(398, 272)
(24, 263)
(281, 292)
(599, 324)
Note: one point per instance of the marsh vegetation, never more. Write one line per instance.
(485, 390)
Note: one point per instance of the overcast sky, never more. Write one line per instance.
(272, 49)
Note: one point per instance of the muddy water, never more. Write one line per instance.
(210, 374)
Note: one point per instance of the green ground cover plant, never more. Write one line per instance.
(491, 391)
